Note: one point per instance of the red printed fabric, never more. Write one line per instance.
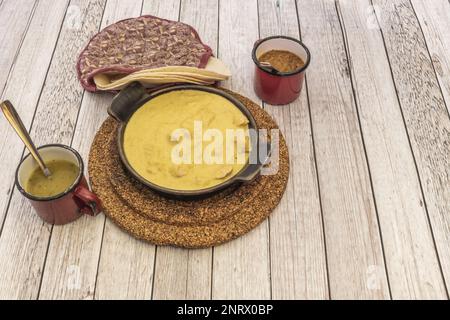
(146, 42)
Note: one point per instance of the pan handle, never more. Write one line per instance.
(253, 169)
(125, 102)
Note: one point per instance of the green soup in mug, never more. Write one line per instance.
(64, 174)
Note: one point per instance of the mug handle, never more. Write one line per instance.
(88, 202)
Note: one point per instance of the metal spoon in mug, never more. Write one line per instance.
(15, 121)
(267, 66)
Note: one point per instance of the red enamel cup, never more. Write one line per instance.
(276, 87)
(68, 205)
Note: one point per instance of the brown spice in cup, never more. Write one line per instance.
(282, 60)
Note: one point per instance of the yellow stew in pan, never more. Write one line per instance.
(187, 140)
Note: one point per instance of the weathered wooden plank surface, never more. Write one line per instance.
(435, 23)
(24, 90)
(363, 135)
(182, 274)
(203, 15)
(241, 268)
(74, 250)
(186, 274)
(168, 9)
(297, 247)
(126, 266)
(25, 238)
(13, 28)
(354, 249)
(411, 259)
(130, 276)
(427, 119)
(133, 275)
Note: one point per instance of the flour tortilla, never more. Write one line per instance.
(214, 71)
(102, 83)
(142, 43)
(213, 67)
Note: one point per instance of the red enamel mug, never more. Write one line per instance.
(275, 87)
(68, 205)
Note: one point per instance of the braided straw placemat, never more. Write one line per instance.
(192, 224)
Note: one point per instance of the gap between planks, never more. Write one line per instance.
(297, 243)
(354, 95)
(416, 161)
(22, 37)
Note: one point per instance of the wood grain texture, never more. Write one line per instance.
(190, 270)
(355, 257)
(241, 268)
(73, 254)
(411, 258)
(13, 28)
(384, 112)
(186, 274)
(297, 248)
(126, 266)
(166, 9)
(132, 276)
(435, 23)
(425, 113)
(25, 238)
(83, 239)
(24, 91)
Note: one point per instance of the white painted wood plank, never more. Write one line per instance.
(182, 273)
(12, 31)
(166, 9)
(74, 249)
(411, 259)
(126, 266)
(25, 238)
(133, 277)
(297, 246)
(199, 274)
(241, 268)
(203, 15)
(434, 18)
(23, 90)
(355, 257)
(425, 113)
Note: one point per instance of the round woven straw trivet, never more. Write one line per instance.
(192, 224)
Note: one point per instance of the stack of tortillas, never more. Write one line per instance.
(150, 50)
(214, 71)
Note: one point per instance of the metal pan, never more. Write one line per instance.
(130, 99)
